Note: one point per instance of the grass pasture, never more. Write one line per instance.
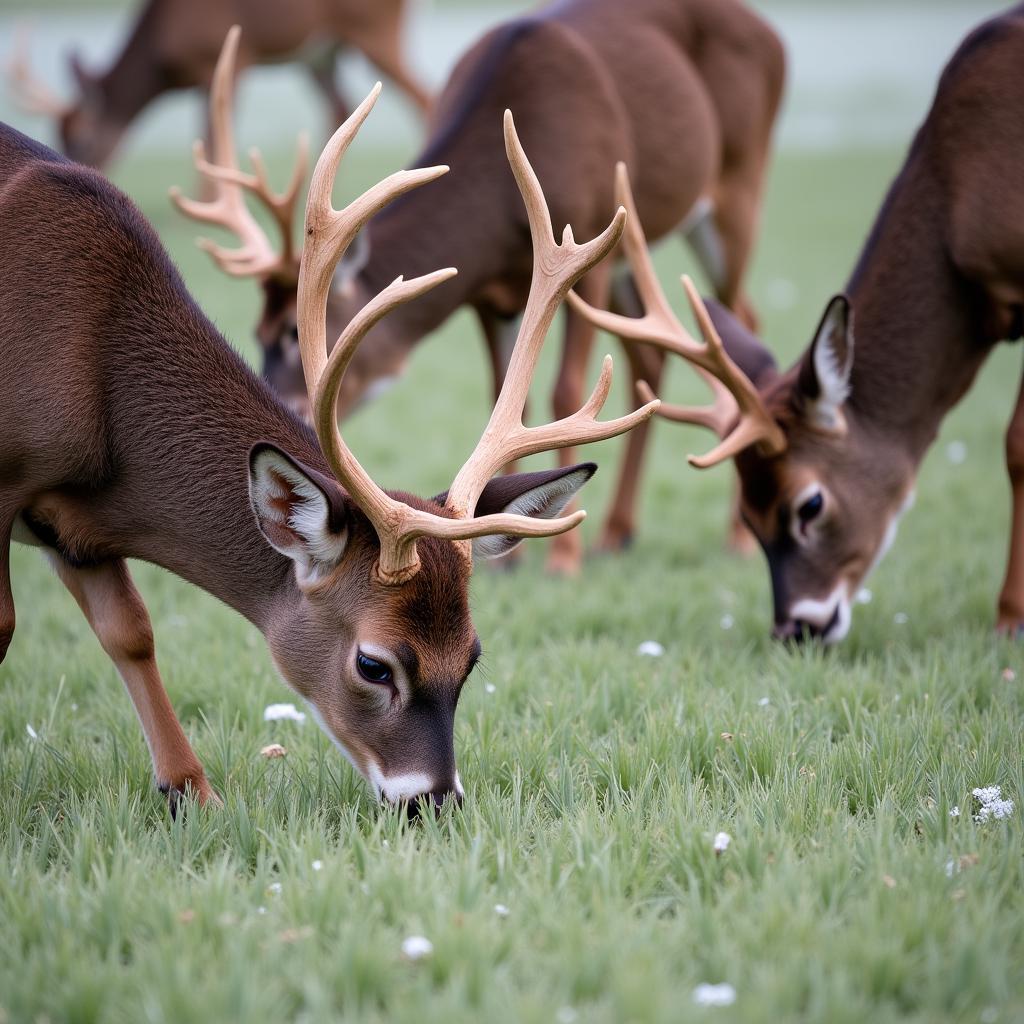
(596, 779)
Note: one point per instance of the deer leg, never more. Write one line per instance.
(324, 70)
(566, 552)
(1011, 599)
(384, 48)
(6, 595)
(646, 363)
(114, 608)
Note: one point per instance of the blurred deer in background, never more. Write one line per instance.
(174, 45)
(685, 92)
(130, 429)
(828, 451)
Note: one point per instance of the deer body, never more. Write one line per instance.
(174, 44)
(127, 427)
(940, 281)
(685, 91)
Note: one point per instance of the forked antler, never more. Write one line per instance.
(31, 92)
(734, 392)
(255, 256)
(556, 268)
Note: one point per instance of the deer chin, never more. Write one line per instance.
(401, 788)
(828, 618)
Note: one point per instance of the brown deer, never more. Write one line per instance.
(828, 451)
(127, 427)
(684, 90)
(174, 45)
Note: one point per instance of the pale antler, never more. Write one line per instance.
(31, 92)
(256, 256)
(734, 392)
(556, 268)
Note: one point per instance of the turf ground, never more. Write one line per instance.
(596, 779)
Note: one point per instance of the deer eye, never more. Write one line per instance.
(373, 671)
(811, 508)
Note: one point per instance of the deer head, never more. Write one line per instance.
(383, 576)
(821, 494)
(89, 133)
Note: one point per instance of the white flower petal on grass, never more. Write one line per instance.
(951, 868)
(274, 888)
(764, 702)
(901, 618)
(318, 865)
(1008, 675)
(490, 688)
(416, 947)
(863, 596)
(31, 732)
(286, 712)
(991, 804)
(722, 994)
(956, 452)
(501, 910)
(727, 621)
(650, 649)
(954, 812)
(721, 843)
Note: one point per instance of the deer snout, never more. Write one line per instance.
(433, 801)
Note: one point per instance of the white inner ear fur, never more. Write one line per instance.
(313, 547)
(833, 376)
(544, 502)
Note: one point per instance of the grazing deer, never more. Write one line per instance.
(684, 90)
(174, 45)
(127, 426)
(828, 451)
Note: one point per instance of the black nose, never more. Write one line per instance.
(432, 802)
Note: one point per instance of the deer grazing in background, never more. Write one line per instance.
(174, 45)
(828, 451)
(685, 91)
(128, 426)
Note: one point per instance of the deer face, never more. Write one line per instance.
(825, 510)
(89, 133)
(376, 364)
(382, 667)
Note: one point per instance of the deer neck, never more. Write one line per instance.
(916, 342)
(134, 79)
(184, 503)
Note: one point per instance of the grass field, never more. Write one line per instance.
(596, 779)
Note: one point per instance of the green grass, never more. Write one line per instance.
(595, 780)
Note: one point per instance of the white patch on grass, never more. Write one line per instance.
(721, 843)
(722, 994)
(282, 713)
(650, 649)
(416, 947)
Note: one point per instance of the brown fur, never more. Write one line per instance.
(939, 283)
(126, 426)
(685, 91)
(174, 45)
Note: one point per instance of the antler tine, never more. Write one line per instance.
(733, 391)
(556, 268)
(31, 92)
(255, 256)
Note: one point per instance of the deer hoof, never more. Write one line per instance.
(563, 563)
(190, 790)
(614, 540)
(1010, 626)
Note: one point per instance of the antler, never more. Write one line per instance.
(734, 392)
(31, 92)
(556, 268)
(256, 256)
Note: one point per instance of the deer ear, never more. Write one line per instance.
(540, 495)
(824, 379)
(743, 346)
(299, 511)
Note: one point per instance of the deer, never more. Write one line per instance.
(828, 451)
(129, 428)
(685, 90)
(174, 44)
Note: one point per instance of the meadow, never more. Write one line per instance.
(596, 778)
